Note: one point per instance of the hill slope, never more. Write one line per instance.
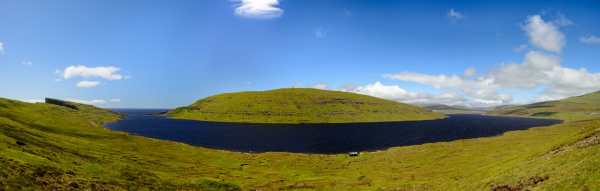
(50, 147)
(446, 109)
(301, 105)
(573, 108)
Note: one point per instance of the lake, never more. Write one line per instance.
(319, 138)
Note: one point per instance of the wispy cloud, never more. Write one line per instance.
(93, 102)
(346, 13)
(247, 82)
(1, 48)
(115, 99)
(320, 85)
(26, 63)
(590, 40)
(126, 77)
(87, 84)
(320, 32)
(57, 80)
(520, 48)
(454, 16)
(545, 11)
(498, 35)
(562, 20)
(258, 9)
(104, 72)
(298, 85)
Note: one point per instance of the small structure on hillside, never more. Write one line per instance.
(353, 154)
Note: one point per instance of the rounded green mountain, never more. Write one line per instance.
(300, 105)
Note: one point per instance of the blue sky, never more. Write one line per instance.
(165, 54)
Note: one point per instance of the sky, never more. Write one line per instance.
(167, 54)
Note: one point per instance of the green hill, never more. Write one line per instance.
(51, 147)
(573, 108)
(446, 109)
(300, 105)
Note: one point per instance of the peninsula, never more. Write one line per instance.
(300, 105)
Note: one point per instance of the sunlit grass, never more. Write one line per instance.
(65, 150)
(302, 105)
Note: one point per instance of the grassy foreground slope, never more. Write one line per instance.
(46, 147)
(446, 109)
(574, 108)
(300, 105)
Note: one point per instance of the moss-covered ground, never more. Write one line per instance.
(300, 105)
(46, 147)
(569, 109)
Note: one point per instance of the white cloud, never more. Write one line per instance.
(396, 93)
(104, 72)
(591, 40)
(346, 13)
(542, 98)
(258, 9)
(247, 82)
(57, 71)
(537, 69)
(93, 102)
(87, 84)
(1, 48)
(115, 99)
(520, 48)
(544, 34)
(478, 103)
(498, 35)
(469, 72)
(57, 80)
(320, 32)
(33, 100)
(320, 85)
(562, 20)
(454, 16)
(487, 94)
(26, 63)
(298, 85)
(127, 77)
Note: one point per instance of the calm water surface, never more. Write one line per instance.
(321, 138)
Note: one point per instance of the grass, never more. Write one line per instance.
(569, 109)
(64, 150)
(300, 105)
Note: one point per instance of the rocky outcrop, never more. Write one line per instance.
(61, 103)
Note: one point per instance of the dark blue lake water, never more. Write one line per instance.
(321, 138)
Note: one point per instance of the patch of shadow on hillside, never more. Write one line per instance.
(543, 114)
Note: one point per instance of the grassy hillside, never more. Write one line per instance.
(573, 108)
(46, 147)
(446, 109)
(300, 105)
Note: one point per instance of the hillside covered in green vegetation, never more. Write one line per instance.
(48, 147)
(446, 109)
(574, 108)
(300, 105)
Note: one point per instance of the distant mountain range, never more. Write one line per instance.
(446, 109)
